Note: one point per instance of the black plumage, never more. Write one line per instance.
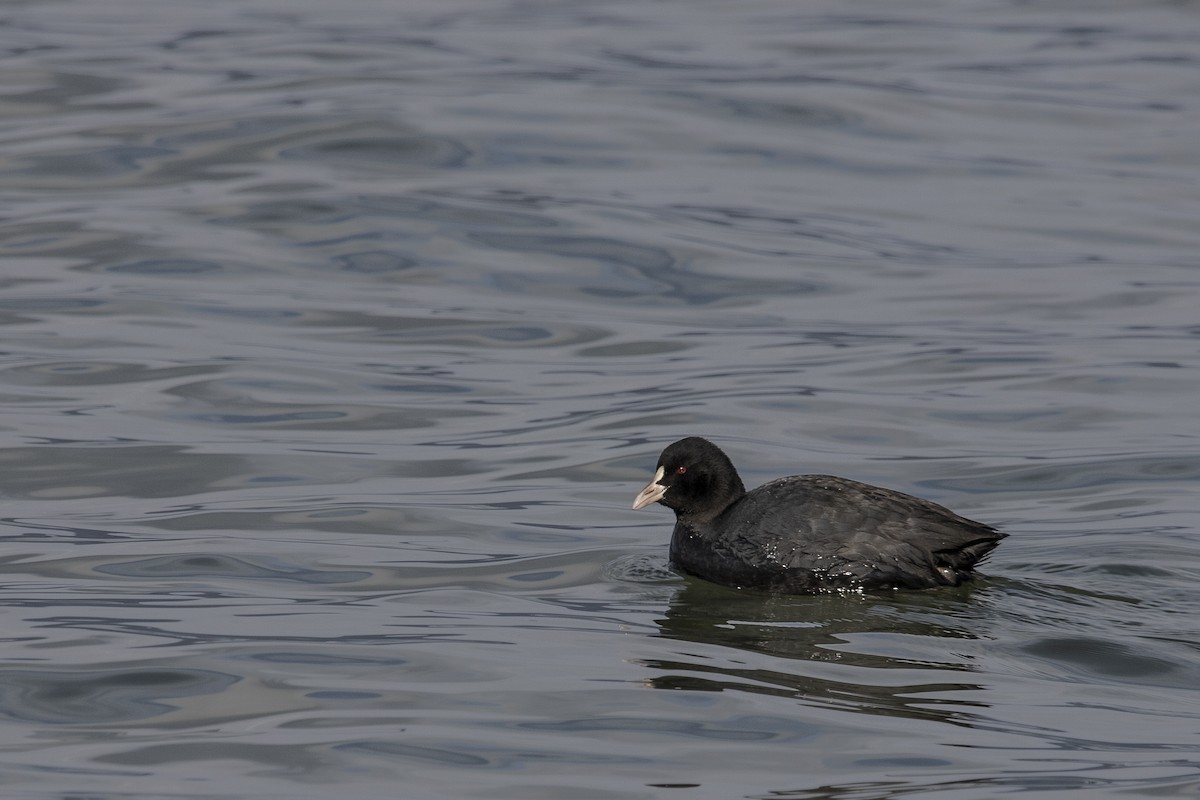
(807, 533)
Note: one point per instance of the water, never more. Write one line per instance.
(337, 339)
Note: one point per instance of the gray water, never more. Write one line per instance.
(338, 337)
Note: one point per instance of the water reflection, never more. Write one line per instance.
(898, 648)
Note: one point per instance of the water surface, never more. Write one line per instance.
(337, 339)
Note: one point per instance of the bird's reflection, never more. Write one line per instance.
(864, 653)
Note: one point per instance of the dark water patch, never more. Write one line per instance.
(423, 388)
(456, 213)
(85, 696)
(528, 150)
(790, 114)
(252, 313)
(489, 755)
(1116, 470)
(442, 331)
(91, 249)
(1126, 570)
(936, 702)
(57, 305)
(373, 262)
(152, 471)
(159, 632)
(74, 168)
(831, 241)
(211, 565)
(642, 272)
(241, 402)
(290, 759)
(269, 418)
(440, 755)
(383, 153)
(609, 251)
(97, 373)
(304, 212)
(536, 577)
(1100, 657)
(344, 696)
(248, 131)
(597, 250)
(317, 658)
(527, 333)
(166, 152)
(1094, 779)
(499, 572)
(178, 266)
(633, 349)
(156, 471)
(381, 520)
(753, 732)
(59, 88)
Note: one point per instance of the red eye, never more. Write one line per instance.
(681, 470)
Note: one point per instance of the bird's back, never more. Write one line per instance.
(813, 532)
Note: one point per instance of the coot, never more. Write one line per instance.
(807, 533)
